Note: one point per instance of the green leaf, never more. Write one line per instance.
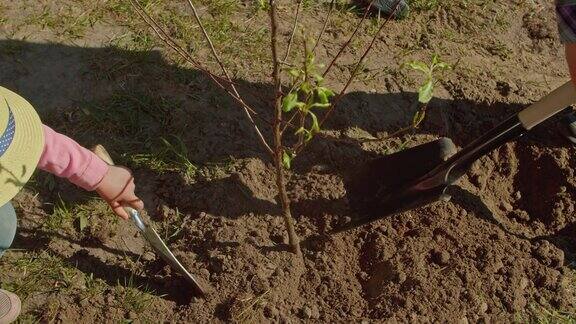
(294, 72)
(324, 94)
(443, 66)
(318, 77)
(418, 118)
(320, 105)
(290, 101)
(306, 88)
(419, 66)
(315, 126)
(306, 133)
(287, 159)
(83, 221)
(425, 92)
(435, 59)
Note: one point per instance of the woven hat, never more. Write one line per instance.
(21, 143)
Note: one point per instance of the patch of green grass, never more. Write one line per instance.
(424, 5)
(28, 318)
(70, 21)
(11, 48)
(41, 273)
(3, 18)
(132, 297)
(221, 7)
(62, 217)
(133, 41)
(542, 315)
(179, 153)
(141, 127)
(94, 287)
(500, 49)
(94, 214)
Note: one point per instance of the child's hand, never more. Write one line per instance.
(117, 188)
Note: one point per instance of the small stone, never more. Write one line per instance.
(518, 195)
(132, 315)
(165, 212)
(483, 308)
(148, 256)
(252, 240)
(401, 277)
(271, 311)
(311, 312)
(506, 206)
(524, 283)
(204, 273)
(307, 312)
(315, 312)
(463, 213)
(440, 257)
(497, 266)
(549, 254)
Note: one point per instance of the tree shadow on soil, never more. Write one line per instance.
(129, 100)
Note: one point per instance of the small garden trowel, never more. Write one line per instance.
(150, 234)
(418, 176)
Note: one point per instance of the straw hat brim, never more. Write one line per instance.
(19, 161)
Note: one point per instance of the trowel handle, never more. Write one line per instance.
(548, 106)
(101, 152)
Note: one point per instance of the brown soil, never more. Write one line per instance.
(501, 250)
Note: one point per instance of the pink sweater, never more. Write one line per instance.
(65, 158)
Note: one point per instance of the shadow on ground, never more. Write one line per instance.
(129, 101)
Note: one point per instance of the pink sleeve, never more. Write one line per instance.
(65, 158)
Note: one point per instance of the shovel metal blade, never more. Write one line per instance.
(160, 247)
(392, 184)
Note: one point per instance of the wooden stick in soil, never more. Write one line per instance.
(294, 241)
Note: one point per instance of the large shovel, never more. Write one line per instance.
(420, 175)
(150, 234)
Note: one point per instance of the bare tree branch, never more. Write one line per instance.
(278, 147)
(349, 39)
(227, 75)
(294, 27)
(359, 63)
(326, 20)
(216, 79)
(336, 100)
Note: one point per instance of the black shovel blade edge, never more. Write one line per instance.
(390, 184)
(394, 204)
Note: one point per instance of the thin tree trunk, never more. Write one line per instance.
(294, 241)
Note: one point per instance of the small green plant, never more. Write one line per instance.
(307, 94)
(426, 90)
(261, 5)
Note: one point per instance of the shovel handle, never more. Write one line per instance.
(102, 153)
(548, 106)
